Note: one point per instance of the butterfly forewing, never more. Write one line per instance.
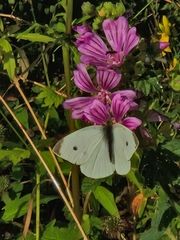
(79, 146)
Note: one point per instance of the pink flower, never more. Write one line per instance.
(121, 40)
(100, 113)
(99, 107)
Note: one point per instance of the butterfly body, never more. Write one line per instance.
(89, 148)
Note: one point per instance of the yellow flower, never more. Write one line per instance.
(173, 64)
(165, 29)
(165, 26)
(165, 38)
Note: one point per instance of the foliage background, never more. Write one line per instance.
(36, 64)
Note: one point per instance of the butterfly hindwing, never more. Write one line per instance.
(99, 166)
(125, 144)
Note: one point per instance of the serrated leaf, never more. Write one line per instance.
(9, 63)
(106, 199)
(150, 85)
(35, 37)
(50, 97)
(16, 155)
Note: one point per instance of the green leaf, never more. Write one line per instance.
(1, 25)
(132, 178)
(95, 205)
(175, 82)
(86, 224)
(35, 37)
(19, 207)
(42, 143)
(16, 155)
(54, 233)
(148, 86)
(16, 208)
(50, 97)
(106, 199)
(22, 116)
(60, 27)
(28, 237)
(173, 146)
(154, 232)
(46, 155)
(89, 184)
(9, 63)
(17, 172)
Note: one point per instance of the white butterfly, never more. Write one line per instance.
(89, 148)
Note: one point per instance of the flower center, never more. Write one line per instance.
(103, 96)
(113, 58)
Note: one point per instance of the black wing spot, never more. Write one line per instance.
(126, 143)
(75, 148)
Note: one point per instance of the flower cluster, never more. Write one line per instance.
(103, 105)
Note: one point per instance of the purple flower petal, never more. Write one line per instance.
(144, 132)
(116, 32)
(119, 107)
(163, 45)
(82, 29)
(131, 41)
(83, 38)
(128, 94)
(82, 79)
(154, 116)
(176, 126)
(94, 47)
(131, 122)
(98, 113)
(92, 60)
(78, 105)
(107, 78)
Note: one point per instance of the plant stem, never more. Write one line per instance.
(143, 9)
(67, 72)
(37, 206)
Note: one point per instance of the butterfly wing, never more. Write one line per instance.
(99, 166)
(125, 144)
(78, 147)
(87, 147)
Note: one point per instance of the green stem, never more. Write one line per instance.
(143, 9)
(67, 72)
(32, 10)
(45, 69)
(47, 119)
(37, 206)
(11, 126)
